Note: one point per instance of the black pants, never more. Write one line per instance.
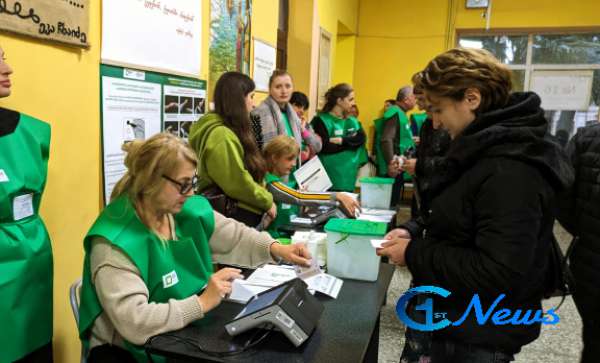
(40, 355)
(110, 353)
(591, 324)
(446, 351)
(397, 190)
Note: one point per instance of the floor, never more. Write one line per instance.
(560, 343)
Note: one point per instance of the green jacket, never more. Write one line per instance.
(221, 163)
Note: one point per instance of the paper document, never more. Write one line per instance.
(376, 243)
(312, 176)
(376, 215)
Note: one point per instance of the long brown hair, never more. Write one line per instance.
(341, 90)
(230, 93)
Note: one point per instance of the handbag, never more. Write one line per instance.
(560, 281)
(220, 201)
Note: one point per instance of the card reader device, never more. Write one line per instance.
(289, 307)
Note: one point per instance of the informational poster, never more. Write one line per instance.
(563, 90)
(138, 104)
(265, 60)
(323, 76)
(60, 21)
(165, 36)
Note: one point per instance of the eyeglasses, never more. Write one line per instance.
(184, 188)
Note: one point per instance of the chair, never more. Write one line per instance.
(74, 298)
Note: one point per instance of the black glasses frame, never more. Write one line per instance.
(184, 188)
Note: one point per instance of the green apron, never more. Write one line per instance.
(26, 268)
(284, 211)
(418, 119)
(363, 156)
(341, 167)
(405, 138)
(171, 270)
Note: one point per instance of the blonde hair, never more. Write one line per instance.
(147, 161)
(279, 146)
(451, 73)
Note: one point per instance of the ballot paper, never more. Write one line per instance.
(312, 176)
(268, 276)
(376, 215)
(376, 243)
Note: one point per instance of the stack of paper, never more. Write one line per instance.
(376, 215)
(268, 276)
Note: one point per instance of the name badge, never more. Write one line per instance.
(338, 132)
(3, 176)
(23, 206)
(285, 206)
(170, 279)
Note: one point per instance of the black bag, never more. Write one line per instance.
(560, 280)
(220, 201)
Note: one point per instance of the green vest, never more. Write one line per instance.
(286, 122)
(284, 211)
(341, 167)
(25, 252)
(363, 156)
(405, 138)
(170, 270)
(418, 119)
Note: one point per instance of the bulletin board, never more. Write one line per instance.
(137, 104)
(563, 90)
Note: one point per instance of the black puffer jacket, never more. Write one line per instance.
(490, 227)
(580, 215)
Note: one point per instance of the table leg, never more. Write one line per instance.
(372, 354)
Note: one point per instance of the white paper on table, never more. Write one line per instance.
(325, 284)
(241, 291)
(372, 218)
(378, 212)
(312, 176)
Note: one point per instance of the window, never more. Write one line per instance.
(525, 54)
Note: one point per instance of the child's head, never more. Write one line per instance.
(280, 154)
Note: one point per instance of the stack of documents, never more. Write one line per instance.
(376, 215)
(268, 276)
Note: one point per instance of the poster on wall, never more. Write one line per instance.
(229, 48)
(563, 90)
(60, 21)
(265, 60)
(323, 75)
(134, 32)
(137, 104)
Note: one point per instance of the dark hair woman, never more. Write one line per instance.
(342, 137)
(488, 238)
(26, 254)
(229, 162)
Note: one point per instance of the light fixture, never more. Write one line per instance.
(477, 4)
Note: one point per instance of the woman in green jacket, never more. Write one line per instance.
(149, 258)
(342, 137)
(25, 251)
(231, 169)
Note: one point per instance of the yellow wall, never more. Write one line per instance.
(343, 67)
(61, 85)
(265, 19)
(391, 47)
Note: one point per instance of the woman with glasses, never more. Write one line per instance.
(25, 251)
(230, 167)
(149, 256)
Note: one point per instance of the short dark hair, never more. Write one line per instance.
(403, 93)
(299, 99)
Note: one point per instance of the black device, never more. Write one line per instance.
(289, 307)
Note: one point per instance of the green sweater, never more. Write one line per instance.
(221, 162)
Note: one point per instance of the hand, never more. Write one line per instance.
(272, 212)
(393, 168)
(296, 253)
(347, 204)
(219, 285)
(395, 250)
(417, 140)
(409, 166)
(397, 233)
(336, 140)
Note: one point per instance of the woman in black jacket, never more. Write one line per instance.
(489, 230)
(580, 214)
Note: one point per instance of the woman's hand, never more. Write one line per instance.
(348, 205)
(395, 249)
(219, 285)
(297, 253)
(409, 166)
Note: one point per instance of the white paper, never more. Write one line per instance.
(312, 176)
(130, 110)
(161, 35)
(376, 243)
(23, 206)
(325, 284)
(3, 176)
(265, 58)
(376, 215)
